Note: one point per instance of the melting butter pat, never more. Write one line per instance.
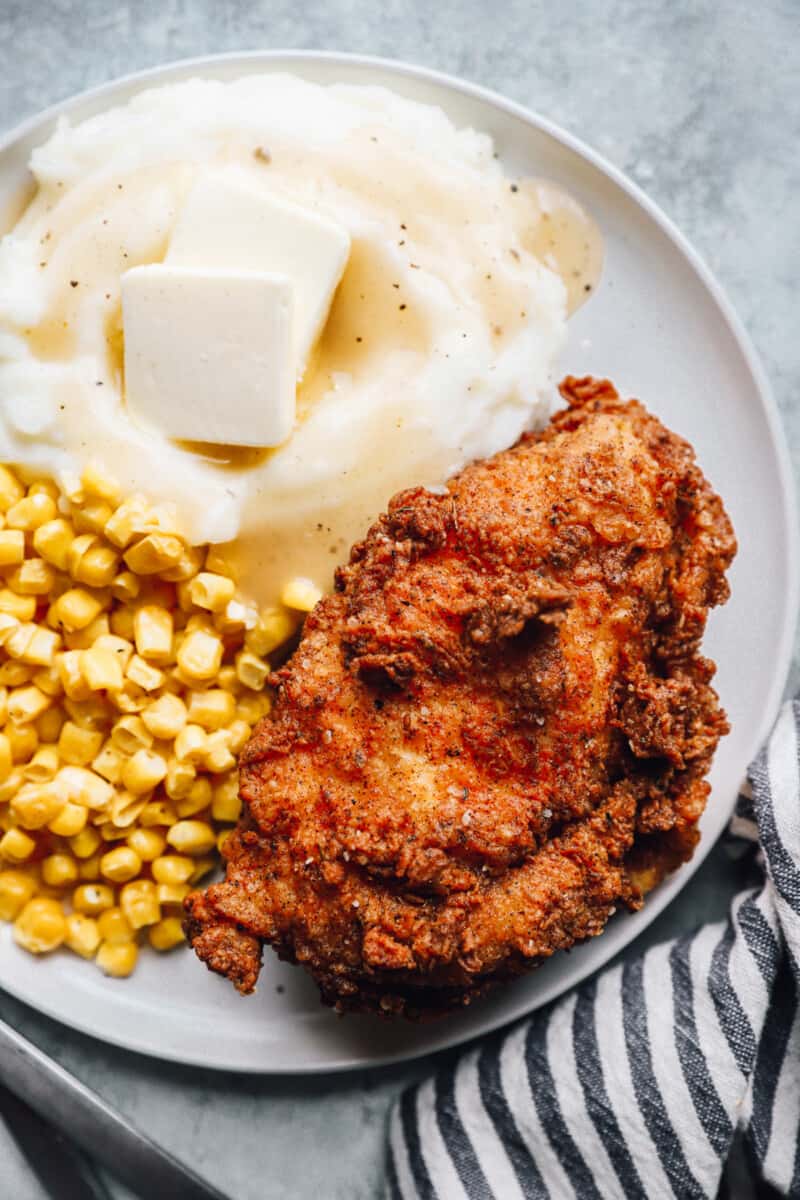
(208, 354)
(233, 226)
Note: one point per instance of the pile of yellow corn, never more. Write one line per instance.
(131, 675)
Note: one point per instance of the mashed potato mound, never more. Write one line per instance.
(439, 347)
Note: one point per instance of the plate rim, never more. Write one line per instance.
(151, 76)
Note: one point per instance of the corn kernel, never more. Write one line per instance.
(210, 591)
(139, 902)
(70, 821)
(153, 553)
(48, 726)
(143, 772)
(59, 870)
(187, 566)
(196, 799)
(253, 707)
(157, 812)
(16, 846)
(41, 926)
(129, 698)
(101, 669)
(153, 633)
(78, 550)
(95, 482)
(89, 868)
(203, 866)
(172, 868)
(228, 680)
(8, 789)
(114, 926)
(149, 844)
(251, 670)
(212, 709)
(238, 735)
(8, 627)
(42, 767)
(143, 674)
(31, 511)
(41, 651)
(83, 935)
(68, 664)
(179, 778)
(232, 620)
(119, 646)
(190, 744)
(108, 763)
(79, 746)
(12, 547)
(98, 567)
(17, 639)
(121, 622)
(47, 487)
(89, 714)
(33, 577)
(11, 490)
(81, 786)
(76, 608)
(165, 934)
(23, 740)
(120, 864)
(53, 540)
(132, 517)
(91, 515)
(200, 655)
(85, 842)
(226, 804)
(274, 627)
(84, 639)
(300, 594)
(92, 898)
(117, 960)
(21, 607)
(222, 838)
(131, 734)
(16, 889)
(125, 808)
(36, 804)
(49, 681)
(218, 757)
(165, 717)
(108, 831)
(6, 759)
(125, 586)
(25, 704)
(191, 837)
(172, 894)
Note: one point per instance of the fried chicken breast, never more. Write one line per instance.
(494, 733)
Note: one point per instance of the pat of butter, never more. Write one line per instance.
(208, 354)
(233, 226)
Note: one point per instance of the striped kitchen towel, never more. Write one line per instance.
(635, 1084)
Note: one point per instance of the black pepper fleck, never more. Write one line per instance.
(73, 283)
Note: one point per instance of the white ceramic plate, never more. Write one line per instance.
(661, 329)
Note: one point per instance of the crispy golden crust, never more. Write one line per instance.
(496, 730)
